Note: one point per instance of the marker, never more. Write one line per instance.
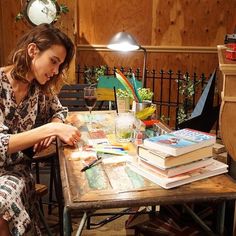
(114, 148)
(91, 164)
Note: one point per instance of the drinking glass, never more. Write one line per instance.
(90, 98)
(124, 127)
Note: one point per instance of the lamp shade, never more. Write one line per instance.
(123, 41)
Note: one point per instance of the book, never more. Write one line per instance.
(181, 141)
(215, 168)
(176, 170)
(164, 160)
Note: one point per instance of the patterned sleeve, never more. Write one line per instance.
(56, 109)
(50, 107)
(4, 140)
(4, 134)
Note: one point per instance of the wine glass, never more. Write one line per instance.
(90, 98)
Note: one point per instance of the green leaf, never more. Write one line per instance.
(64, 9)
(19, 16)
(145, 94)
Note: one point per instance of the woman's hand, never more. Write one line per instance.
(43, 144)
(67, 133)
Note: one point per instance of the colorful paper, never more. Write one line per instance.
(126, 83)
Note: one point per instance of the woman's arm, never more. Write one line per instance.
(67, 133)
(47, 141)
(50, 110)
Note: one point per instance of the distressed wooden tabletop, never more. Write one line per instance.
(116, 185)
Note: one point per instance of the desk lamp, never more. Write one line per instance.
(125, 42)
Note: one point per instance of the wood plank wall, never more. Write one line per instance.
(178, 34)
(10, 30)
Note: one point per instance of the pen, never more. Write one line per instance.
(105, 142)
(90, 164)
(115, 148)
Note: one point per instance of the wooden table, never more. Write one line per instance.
(116, 186)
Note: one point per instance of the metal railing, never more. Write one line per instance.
(175, 93)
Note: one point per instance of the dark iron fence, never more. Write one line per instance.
(175, 93)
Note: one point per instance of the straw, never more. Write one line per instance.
(136, 89)
(114, 89)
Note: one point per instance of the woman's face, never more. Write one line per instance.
(46, 64)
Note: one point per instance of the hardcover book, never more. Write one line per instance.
(176, 170)
(180, 141)
(164, 161)
(215, 168)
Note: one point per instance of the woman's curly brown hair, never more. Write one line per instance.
(44, 36)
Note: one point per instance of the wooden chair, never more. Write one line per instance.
(72, 96)
(46, 156)
(50, 155)
(42, 190)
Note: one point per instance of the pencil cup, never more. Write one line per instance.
(142, 105)
(124, 127)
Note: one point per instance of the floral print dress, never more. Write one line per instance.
(17, 187)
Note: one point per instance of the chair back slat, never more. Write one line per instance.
(72, 96)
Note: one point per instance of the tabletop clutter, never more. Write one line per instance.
(173, 158)
(166, 157)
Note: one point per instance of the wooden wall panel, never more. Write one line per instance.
(99, 20)
(193, 22)
(154, 23)
(157, 22)
(11, 30)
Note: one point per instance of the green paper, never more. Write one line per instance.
(110, 82)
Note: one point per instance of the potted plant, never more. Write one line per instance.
(92, 74)
(146, 96)
(123, 100)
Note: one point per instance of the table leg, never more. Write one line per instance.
(230, 221)
(81, 225)
(220, 218)
(67, 222)
(198, 220)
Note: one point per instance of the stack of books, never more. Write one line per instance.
(178, 158)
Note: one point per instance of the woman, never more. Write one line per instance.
(27, 96)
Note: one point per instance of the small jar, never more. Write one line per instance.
(139, 138)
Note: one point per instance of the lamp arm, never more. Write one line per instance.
(144, 66)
